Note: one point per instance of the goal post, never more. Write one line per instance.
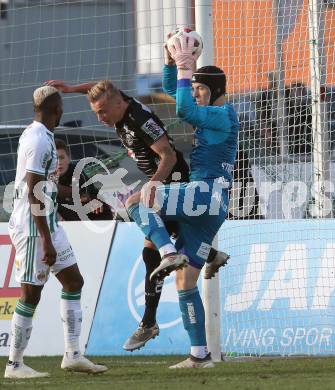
(320, 132)
(275, 298)
(210, 288)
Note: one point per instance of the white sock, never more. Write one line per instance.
(199, 352)
(167, 249)
(71, 315)
(21, 327)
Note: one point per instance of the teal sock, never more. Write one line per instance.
(151, 224)
(193, 315)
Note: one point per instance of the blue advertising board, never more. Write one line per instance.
(277, 292)
(121, 302)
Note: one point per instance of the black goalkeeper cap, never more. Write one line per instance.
(214, 78)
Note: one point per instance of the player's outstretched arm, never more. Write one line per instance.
(68, 88)
(167, 158)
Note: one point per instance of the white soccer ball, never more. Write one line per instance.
(198, 44)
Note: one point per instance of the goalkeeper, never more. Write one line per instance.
(212, 161)
(144, 136)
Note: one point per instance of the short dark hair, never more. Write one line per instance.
(61, 145)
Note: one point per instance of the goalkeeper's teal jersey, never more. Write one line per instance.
(216, 130)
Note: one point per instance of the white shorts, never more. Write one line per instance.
(29, 253)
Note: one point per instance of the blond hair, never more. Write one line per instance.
(103, 88)
(42, 93)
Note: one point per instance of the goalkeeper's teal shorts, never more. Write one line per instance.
(200, 207)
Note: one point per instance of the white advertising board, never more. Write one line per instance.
(91, 243)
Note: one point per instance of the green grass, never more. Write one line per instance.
(146, 372)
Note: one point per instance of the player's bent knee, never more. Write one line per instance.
(73, 284)
(70, 278)
(151, 258)
(149, 244)
(76, 284)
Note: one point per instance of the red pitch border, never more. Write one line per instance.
(6, 291)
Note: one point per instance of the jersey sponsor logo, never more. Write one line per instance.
(203, 251)
(65, 254)
(129, 139)
(9, 288)
(227, 167)
(152, 128)
(168, 309)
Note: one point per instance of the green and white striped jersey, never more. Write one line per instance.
(36, 153)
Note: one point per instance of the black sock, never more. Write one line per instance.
(153, 289)
(212, 253)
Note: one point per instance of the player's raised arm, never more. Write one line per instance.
(68, 88)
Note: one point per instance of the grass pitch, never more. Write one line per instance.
(151, 372)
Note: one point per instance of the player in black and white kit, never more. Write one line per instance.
(138, 130)
(144, 136)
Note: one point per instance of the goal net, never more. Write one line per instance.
(276, 293)
(79, 41)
